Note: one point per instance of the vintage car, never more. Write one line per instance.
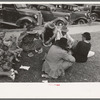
(19, 15)
(95, 12)
(71, 17)
(49, 15)
(68, 8)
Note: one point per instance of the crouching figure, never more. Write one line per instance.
(57, 60)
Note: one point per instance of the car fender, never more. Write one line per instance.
(30, 19)
(81, 18)
(93, 14)
(60, 18)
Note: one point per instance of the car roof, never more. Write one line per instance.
(71, 5)
(96, 5)
(50, 5)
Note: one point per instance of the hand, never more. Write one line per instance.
(70, 52)
(47, 42)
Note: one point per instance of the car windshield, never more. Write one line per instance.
(97, 8)
(22, 6)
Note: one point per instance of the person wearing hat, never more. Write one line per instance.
(73, 44)
(29, 30)
(29, 41)
(57, 60)
(63, 33)
(82, 50)
(48, 34)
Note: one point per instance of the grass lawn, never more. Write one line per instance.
(79, 72)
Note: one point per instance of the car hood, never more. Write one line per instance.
(30, 11)
(80, 12)
(60, 13)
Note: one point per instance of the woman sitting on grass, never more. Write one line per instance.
(49, 33)
(81, 51)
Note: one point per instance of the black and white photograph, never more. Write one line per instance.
(49, 42)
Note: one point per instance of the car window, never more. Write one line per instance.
(0, 6)
(23, 6)
(8, 6)
(97, 8)
(43, 8)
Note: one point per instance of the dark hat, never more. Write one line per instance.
(87, 35)
(63, 43)
(64, 28)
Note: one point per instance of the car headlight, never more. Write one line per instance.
(85, 14)
(36, 16)
(66, 17)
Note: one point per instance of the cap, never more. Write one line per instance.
(87, 35)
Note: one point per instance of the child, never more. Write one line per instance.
(63, 33)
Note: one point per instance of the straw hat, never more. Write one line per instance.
(64, 29)
(51, 25)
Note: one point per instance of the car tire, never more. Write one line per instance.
(93, 17)
(60, 23)
(81, 21)
(24, 24)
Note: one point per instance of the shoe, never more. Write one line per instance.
(39, 51)
(45, 76)
(30, 54)
(45, 81)
(17, 60)
(12, 75)
(14, 71)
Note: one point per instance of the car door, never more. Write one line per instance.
(10, 13)
(97, 10)
(46, 13)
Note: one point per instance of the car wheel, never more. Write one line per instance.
(60, 23)
(93, 17)
(25, 24)
(81, 21)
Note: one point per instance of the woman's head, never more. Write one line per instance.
(63, 43)
(86, 36)
(64, 30)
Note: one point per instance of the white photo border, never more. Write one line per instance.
(49, 90)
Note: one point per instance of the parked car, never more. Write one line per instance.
(69, 8)
(50, 6)
(71, 17)
(19, 15)
(49, 15)
(95, 12)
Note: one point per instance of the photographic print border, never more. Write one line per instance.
(74, 91)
